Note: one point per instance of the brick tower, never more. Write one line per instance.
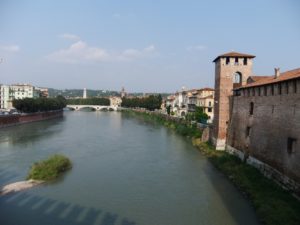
(231, 71)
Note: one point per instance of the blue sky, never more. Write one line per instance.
(146, 46)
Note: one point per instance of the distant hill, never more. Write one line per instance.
(72, 93)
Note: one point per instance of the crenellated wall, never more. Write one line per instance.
(264, 135)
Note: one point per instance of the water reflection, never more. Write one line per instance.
(31, 132)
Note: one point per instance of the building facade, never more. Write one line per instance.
(19, 91)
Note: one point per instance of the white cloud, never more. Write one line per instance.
(150, 48)
(72, 37)
(196, 48)
(81, 52)
(10, 48)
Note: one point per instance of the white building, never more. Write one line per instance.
(5, 97)
(20, 91)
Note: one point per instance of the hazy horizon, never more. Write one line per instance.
(142, 46)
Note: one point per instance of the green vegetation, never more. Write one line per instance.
(199, 115)
(273, 204)
(50, 168)
(151, 102)
(181, 126)
(31, 105)
(89, 101)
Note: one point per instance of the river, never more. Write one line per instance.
(125, 172)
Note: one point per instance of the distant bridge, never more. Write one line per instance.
(95, 107)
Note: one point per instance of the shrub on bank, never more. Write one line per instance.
(50, 168)
(273, 204)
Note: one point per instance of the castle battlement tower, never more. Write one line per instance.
(231, 71)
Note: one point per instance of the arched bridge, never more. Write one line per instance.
(95, 107)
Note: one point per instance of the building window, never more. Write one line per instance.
(272, 89)
(251, 108)
(291, 145)
(258, 91)
(248, 129)
(245, 61)
(287, 87)
(279, 89)
(209, 110)
(209, 103)
(253, 91)
(227, 60)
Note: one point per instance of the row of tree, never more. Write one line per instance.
(151, 102)
(88, 101)
(31, 105)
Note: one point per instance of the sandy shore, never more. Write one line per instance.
(19, 186)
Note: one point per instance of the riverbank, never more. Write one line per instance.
(12, 120)
(19, 186)
(272, 204)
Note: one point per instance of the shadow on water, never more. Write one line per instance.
(26, 208)
(31, 132)
(235, 207)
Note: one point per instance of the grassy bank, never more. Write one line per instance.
(50, 168)
(179, 125)
(273, 205)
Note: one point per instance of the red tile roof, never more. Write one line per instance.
(288, 75)
(234, 54)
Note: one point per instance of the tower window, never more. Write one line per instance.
(291, 145)
(251, 108)
(227, 60)
(237, 80)
(245, 61)
(236, 60)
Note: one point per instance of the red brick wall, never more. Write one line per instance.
(10, 120)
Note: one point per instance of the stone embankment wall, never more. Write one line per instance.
(11, 120)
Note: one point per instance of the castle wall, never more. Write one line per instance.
(265, 135)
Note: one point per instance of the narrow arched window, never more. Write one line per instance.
(237, 80)
(251, 108)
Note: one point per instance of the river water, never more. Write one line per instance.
(125, 172)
